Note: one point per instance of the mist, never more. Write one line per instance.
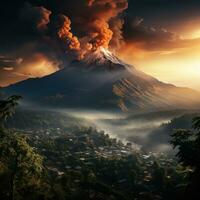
(143, 130)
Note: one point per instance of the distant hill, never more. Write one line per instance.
(43, 119)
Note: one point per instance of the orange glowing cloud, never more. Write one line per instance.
(94, 30)
(8, 68)
(37, 66)
(64, 32)
(97, 24)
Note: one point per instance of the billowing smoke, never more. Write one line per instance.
(97, 24)
(116, 25)
(37, 18)
(77, 28)
(64, 32)
(99, 27)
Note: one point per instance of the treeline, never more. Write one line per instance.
(35, 119)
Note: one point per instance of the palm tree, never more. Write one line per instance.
(7, 107)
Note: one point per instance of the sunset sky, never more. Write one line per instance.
(172, 58)
(160, 37)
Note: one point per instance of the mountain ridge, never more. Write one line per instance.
(103, 81)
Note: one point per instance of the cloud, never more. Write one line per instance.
(37, 65)
(60, 34)
(100, 28)
(60, 27)
(116, 25)
(69, 28)
(149, 38)
(102, 14)
(8, 68)
(65, 30)
(8, 63)
(35, 17)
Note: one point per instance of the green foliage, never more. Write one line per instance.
(188, 144)
(36, 119)
(19, 163)
(50, 163)
(7, 107)
(196, 124)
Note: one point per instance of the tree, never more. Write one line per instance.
(187, 143)
(21, 166)
(7, 107)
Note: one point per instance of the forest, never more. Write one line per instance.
(50, 162)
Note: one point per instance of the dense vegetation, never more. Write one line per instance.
(82, 163)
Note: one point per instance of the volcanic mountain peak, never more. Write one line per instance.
(110, 56)
(101, 59)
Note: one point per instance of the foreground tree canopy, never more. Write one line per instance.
(187, 143)
(20, 166)
(7, 107)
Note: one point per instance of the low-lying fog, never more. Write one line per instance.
(143, 130)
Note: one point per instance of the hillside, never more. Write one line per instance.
(102, 81)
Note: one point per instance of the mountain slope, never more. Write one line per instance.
(102, 81)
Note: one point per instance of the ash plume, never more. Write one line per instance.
(97, 24)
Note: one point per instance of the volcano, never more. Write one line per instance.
(103, 81)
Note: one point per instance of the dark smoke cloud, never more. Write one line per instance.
(73, 30)
(94, 25)
(152, 38)
(116, 25)
(76, 29)
(35, 17)
(82, 33)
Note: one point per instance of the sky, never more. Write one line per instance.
(173, 57)
(159, 37)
